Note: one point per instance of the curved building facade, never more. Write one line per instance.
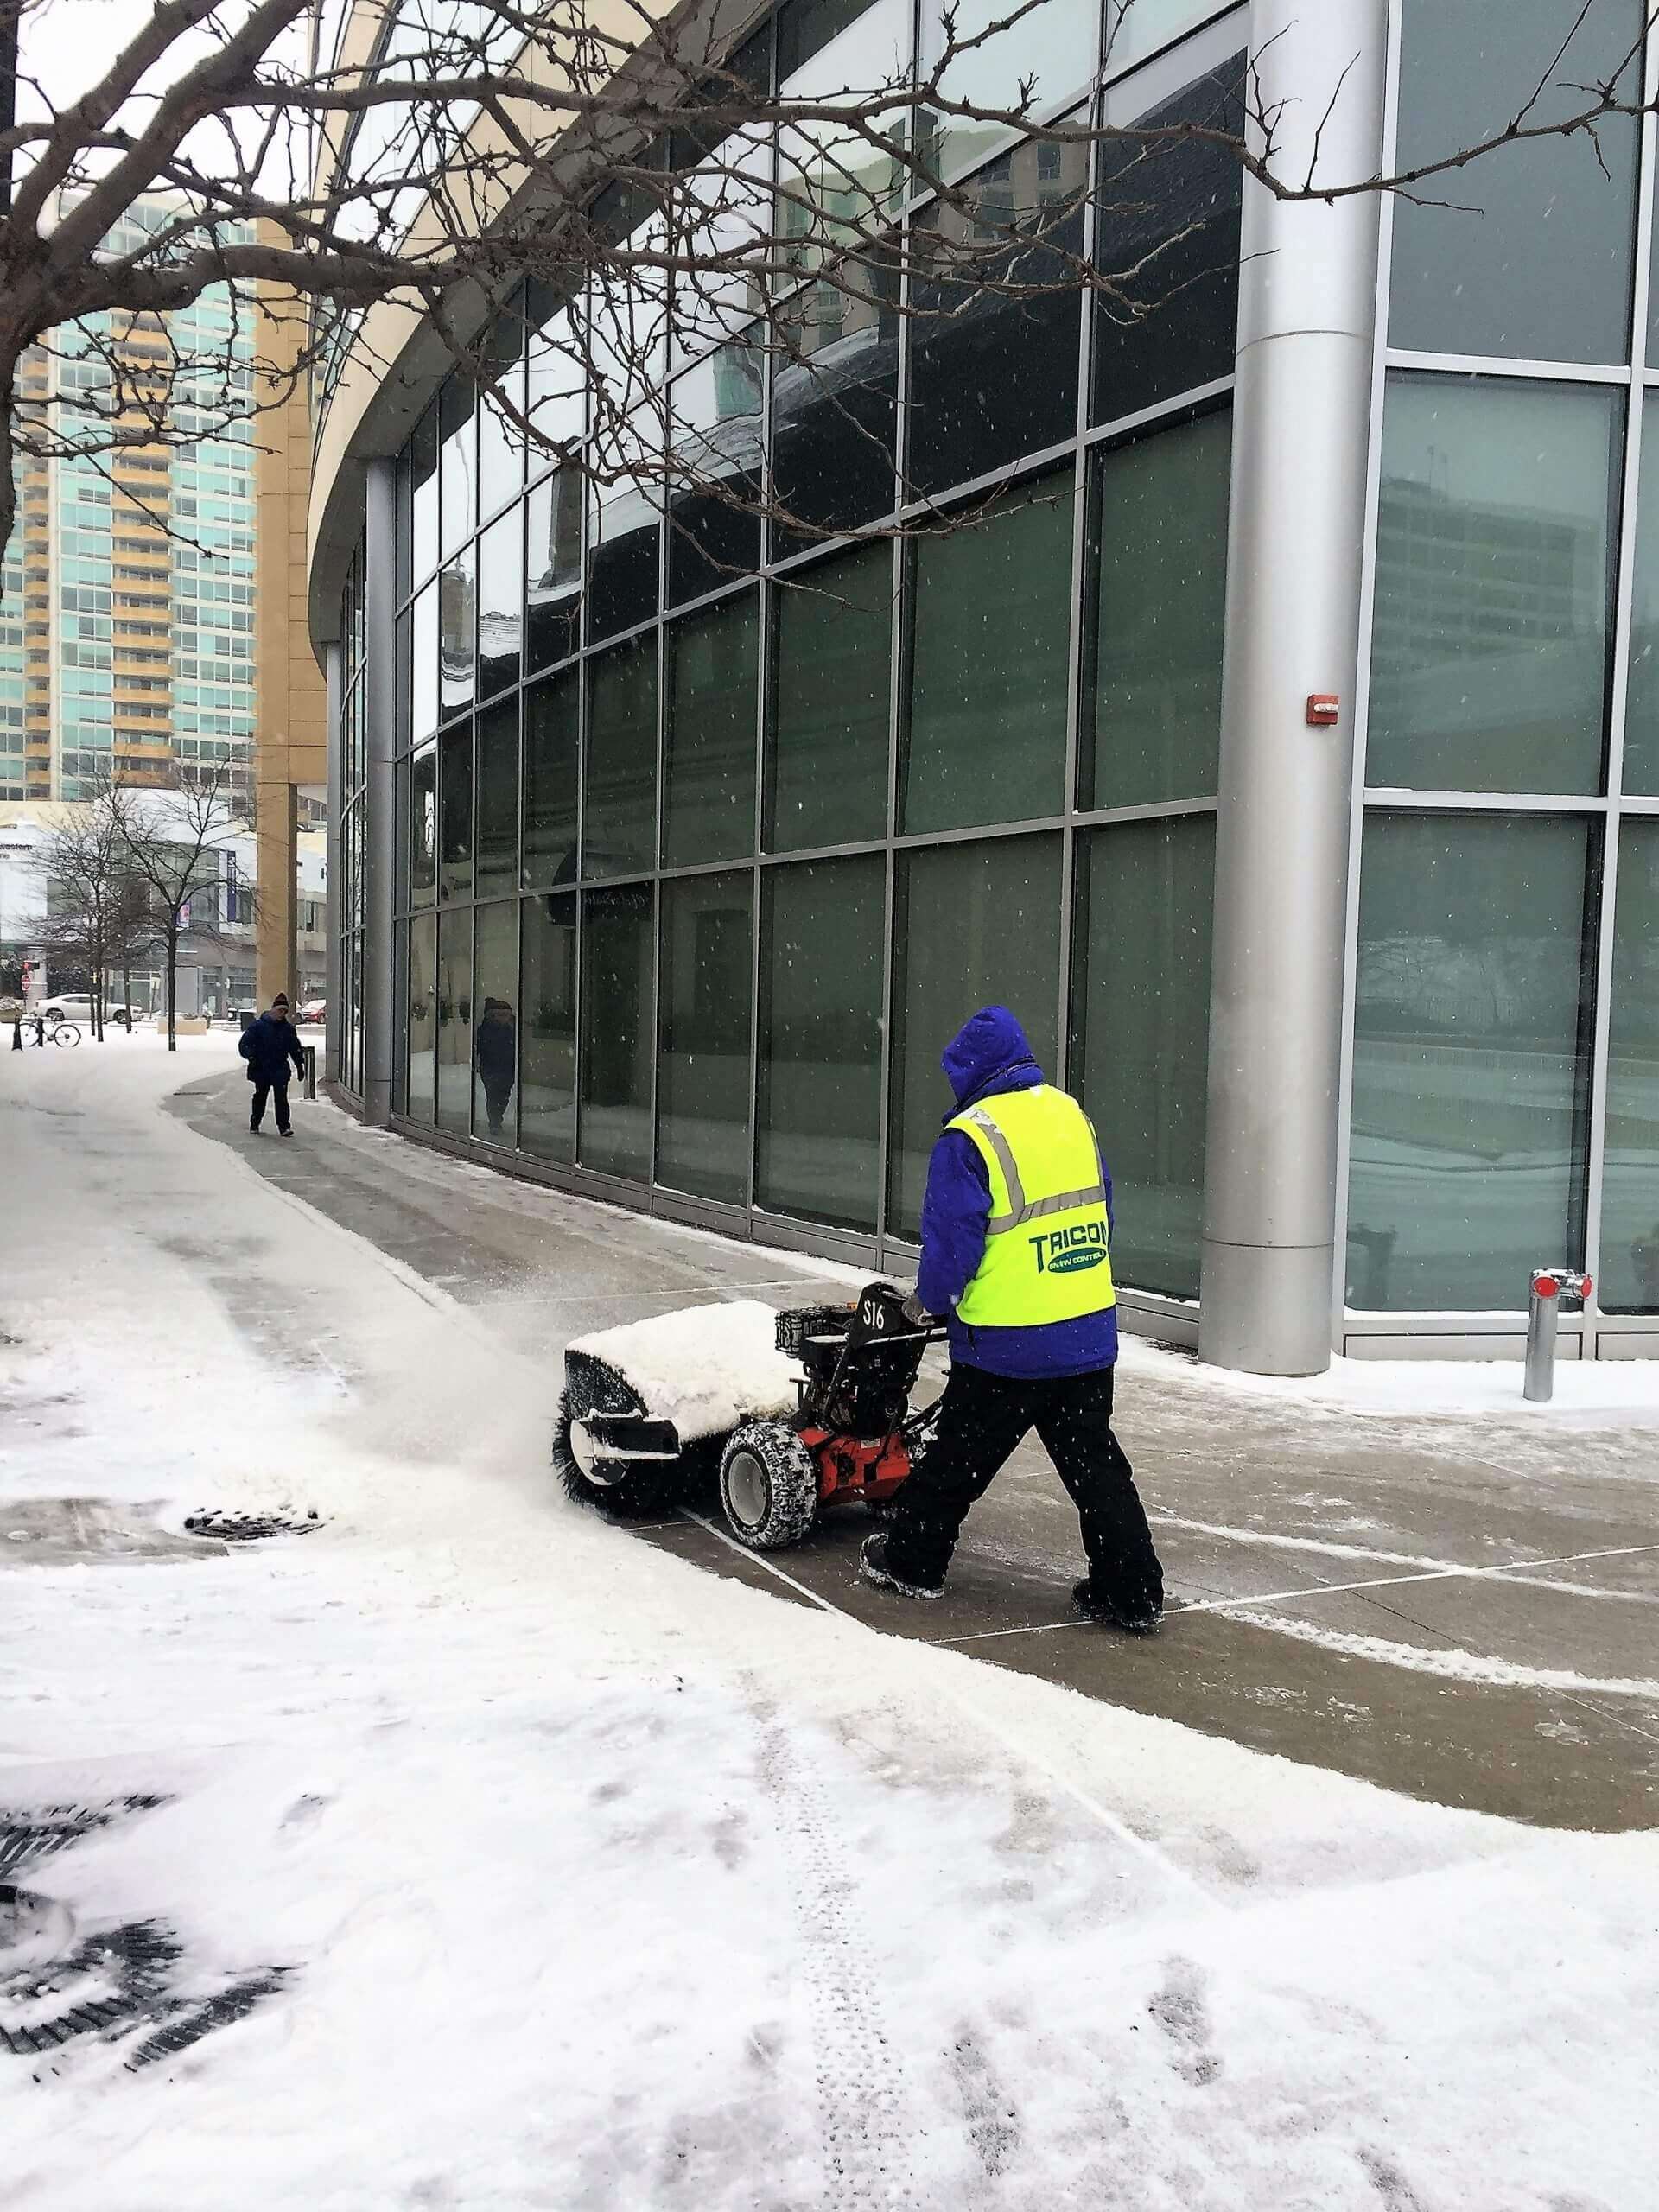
(672, 844)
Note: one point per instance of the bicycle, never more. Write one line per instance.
(66, 1033)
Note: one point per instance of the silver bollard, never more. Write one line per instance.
(1549, 1285)
(310, 1052)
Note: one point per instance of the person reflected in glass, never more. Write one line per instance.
(496, 1056)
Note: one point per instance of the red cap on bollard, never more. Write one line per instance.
(1587, 1285)
(1546, 1287)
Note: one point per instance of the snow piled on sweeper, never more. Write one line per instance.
(647, 1407)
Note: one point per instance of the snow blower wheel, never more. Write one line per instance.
(768, 1486)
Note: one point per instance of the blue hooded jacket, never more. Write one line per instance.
(990, 1054)
(267, 1045)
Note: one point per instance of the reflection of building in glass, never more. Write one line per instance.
(1476, 578)
(737, 819)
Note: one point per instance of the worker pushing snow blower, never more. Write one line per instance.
(1016, 1251)
(810, 1408)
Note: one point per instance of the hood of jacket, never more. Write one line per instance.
(989, 1052)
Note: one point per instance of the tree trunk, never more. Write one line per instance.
(172, 988)
(126, 984)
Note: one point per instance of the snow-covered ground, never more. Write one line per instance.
(599, 1883)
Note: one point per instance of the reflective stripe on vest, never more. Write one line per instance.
(1046, 1256)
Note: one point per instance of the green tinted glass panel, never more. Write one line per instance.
(500, 602)
(1629, 1208)
(421, 1078)
(1139, 1049)
(551, 724)
(1471, 1031)
(709, 794)
(1489, 657)
(620, 813)
(547, 1027)
(456, 795)
(827, 764)
(424, 827)
(817, 1153)
(617, 957)
(495, 1024)
(1525, 251)
(498, 798)
(1162, 534)
(987, 736)
(455, 1021)
(702, 1070)
(975, 925)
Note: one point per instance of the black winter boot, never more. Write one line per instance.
(1111, 1612)
(873, 1568)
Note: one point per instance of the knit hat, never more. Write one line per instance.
(280, 999)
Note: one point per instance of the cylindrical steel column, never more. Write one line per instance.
(1301, 415)
(380, 703)
(334, 695)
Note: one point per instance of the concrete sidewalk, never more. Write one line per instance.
(1464, 1610)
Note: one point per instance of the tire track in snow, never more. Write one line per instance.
(858, 2070)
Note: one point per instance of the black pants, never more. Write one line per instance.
(982, 1417)
(497, 1096)
(261, 1092)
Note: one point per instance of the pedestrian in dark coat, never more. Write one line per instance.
(1052, 1371)
(267, 1045)
(497, 1055)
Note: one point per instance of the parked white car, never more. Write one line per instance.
(76, 1006)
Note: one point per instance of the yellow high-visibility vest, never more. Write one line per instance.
(1047, 1242)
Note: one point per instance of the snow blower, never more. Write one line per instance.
(796, 1411)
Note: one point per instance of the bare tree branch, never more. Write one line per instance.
(654, 187)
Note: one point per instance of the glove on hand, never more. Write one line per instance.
(916, 1313)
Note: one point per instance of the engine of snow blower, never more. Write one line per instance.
(852, 1438)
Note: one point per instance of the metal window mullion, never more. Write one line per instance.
(976, 832)
(762, 721)
(1496, 366)
(1077, 625)
(1012, 478)
(1362, 796)
(1106, 818)
(1405, 800)
(584, 678)
(902, 587)
(1623, 609)
(1076, 633)
(658, 902)
(1198, 399)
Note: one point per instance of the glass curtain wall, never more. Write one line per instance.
(1497, 1113)
(713, 838)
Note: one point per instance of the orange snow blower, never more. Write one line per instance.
(852, 1438)
(652, 1409)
